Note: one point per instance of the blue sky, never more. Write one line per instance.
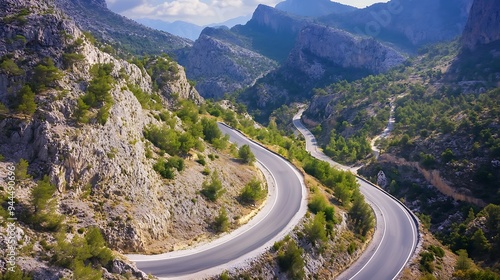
(200, 12)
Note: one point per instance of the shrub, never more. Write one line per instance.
(213, 189)
(45, 215)
(245, 154)
(46, 73)
(27, 103)
(21, 171)
(97, 96)
(291, 261)
(211, 131)
(9, 67)
(165, 168)
(70, 59)
(252, 192)
(315, 230)
(361, 216)
(221, 222)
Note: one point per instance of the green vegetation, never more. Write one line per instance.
(246, 155)
(9, 67)
(361, 216)
(315, 230)
(27, 103)
(290, 260)
(97, 96)
(221, 223)
(45, 75)
(252, 192)
(148, 101)
(84, 255)
(320, 204)
(21, 171)
(213, 189)
(45, 215)
(70, 59)
(166, 168)
(342, 183)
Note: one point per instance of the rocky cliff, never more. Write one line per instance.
(483, 26)
(122, 33)
(319, 47)
(406, 23)
(220, 67)
(313, 8)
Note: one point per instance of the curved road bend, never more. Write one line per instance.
(284, 211)
(396, 233)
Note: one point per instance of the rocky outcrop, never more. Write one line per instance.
(124, 34)
(406, 23)
(275, 20)
(318, 47)
(483, 26)
(313, 8)
(220, 67)
(129, 200)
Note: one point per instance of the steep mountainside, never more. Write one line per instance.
(122, 33)
(220, 67)
(483, 26)
(319, 45)
(96, 150)
(406, 23)
(313, 8)
(249, 50)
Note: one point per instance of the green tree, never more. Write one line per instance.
(21, 171)
(291, 261)
(361, 216)
(46, 73)
(211, 131)
(41, 194)
(85, 272)
(27, 103)
(245, 154)
(213, 189)
(44, 205)
(479, 243)
(252, 192)
(97, 246)
(9, 67)
(463, 261)
(221, 222)
(315, 230)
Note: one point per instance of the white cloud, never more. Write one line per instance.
(201, 12)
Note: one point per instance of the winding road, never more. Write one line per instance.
(285, 206)
(396, 235)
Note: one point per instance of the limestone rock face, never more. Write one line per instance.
(129, 200)
(318, 45)
(221, 67)
(483, 26)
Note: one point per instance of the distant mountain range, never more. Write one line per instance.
(188, 30)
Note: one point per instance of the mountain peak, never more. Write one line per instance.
(483, 26)
(313, 8)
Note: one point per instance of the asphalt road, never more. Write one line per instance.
(286, 209)
(396, 234)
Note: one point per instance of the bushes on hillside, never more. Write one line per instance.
(213, 189)
(97, 95)
(252, 192)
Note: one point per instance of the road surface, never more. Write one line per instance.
(282, 212)
(396, 234)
